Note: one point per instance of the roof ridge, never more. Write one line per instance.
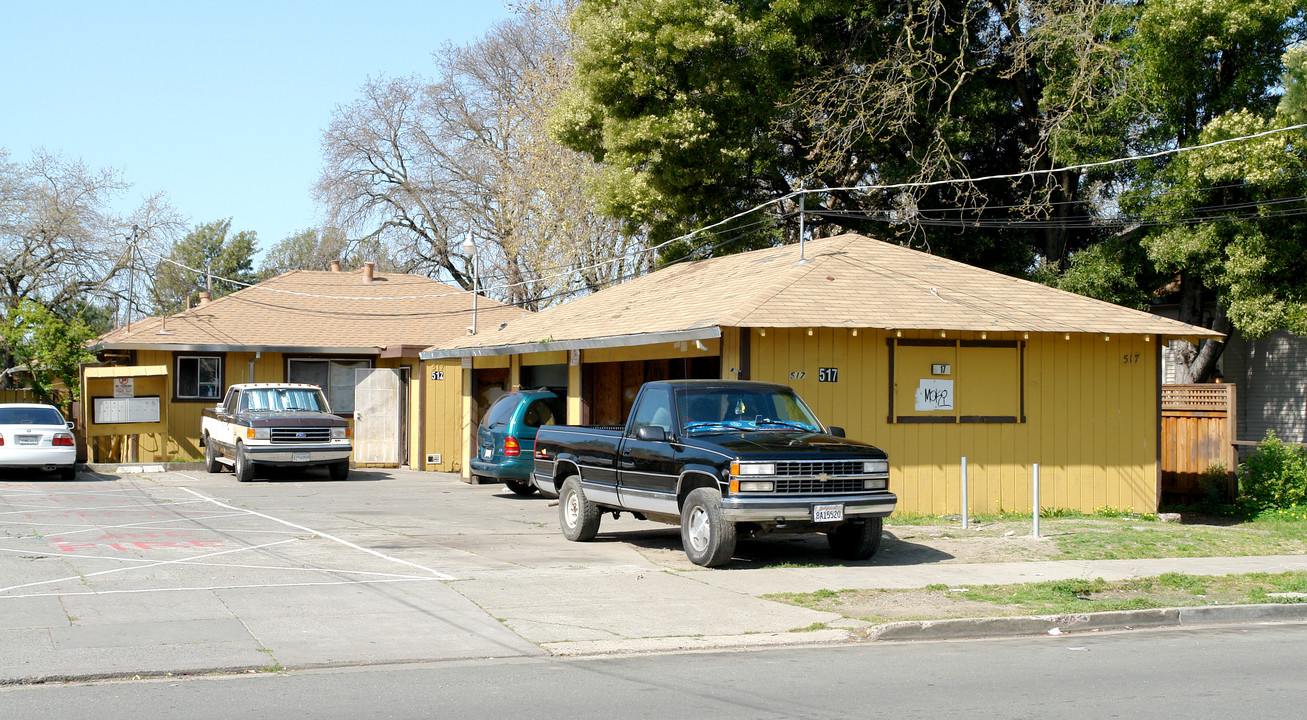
(798, 272)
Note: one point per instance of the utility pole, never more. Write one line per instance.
(131, 273)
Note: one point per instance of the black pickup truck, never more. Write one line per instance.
(720, 458)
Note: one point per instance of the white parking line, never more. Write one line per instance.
(129, 508)
(220, 587)
(149, 564)
(189, 561)
(346, 543)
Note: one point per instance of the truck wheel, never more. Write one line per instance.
(244, 468)
(210, 457)
(338, 470)
(856, 540)
(578, 517)
(708, 538)
(520, 487)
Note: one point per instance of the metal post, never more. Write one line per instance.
(476, 281)
(1036, 502)
(964, 492)
(802, 197)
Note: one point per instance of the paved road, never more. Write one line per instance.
(185, 572)
(1215, 673)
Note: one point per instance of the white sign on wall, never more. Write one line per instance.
(124, 387)
(934, 395)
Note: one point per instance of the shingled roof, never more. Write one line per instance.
(331, 312)
(848, 281)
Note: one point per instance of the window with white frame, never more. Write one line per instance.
(199, 377)
(335, 377)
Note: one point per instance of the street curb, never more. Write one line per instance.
(136, 468)
(973, 628)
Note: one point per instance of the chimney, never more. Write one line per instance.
(205, 298)
(367, 272)
(335, 266)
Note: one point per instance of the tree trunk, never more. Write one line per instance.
(1202, 365)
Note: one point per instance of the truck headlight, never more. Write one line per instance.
(739, 468)
(873, 467)
(877, 484)
(257, 433)
(339, 433)
(757, 486)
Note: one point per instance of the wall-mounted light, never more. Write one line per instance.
(809, 332)
(943, 333)
(1025, 336)
(1066, 336)
(855, 332)
(1148, 338)
(1107, 338)
(984, 336)
(898, 333)
(762, 332)
(698, 344)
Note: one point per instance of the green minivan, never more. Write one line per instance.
(506, 438)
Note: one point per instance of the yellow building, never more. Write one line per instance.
(356, 334)
(930, 359)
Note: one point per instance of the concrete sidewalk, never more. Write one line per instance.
(182, 572)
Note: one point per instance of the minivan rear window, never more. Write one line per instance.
(501, 412)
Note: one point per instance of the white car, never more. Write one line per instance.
(36, 436)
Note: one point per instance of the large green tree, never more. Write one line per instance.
(701, 109)
(208, 257)
(1219, 224)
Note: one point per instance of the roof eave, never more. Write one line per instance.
(606, 341)
(215, 347)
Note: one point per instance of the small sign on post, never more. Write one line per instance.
(124, 387)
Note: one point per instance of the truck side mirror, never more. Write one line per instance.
(651, 433)
(835, 431)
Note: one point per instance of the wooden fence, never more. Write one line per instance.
(1198, 434)
(18, 396)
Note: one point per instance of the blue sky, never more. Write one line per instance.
(220, 105)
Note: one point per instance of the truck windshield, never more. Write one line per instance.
(718, 409)
(283, 399)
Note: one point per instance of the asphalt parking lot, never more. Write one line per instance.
(182, 572)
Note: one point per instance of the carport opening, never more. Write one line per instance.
(608, 389)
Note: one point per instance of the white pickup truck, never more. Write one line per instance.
(274, 425)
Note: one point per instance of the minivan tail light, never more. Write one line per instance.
(63, 439)
(511, 447)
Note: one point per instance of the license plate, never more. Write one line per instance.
(827, 513)
(299, 457)
(28, 439)
(487, 453)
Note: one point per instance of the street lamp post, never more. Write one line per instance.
(470, 249)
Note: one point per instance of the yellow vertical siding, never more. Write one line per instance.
(442, 413)
(1090, 418)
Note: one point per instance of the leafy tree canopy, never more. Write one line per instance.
(52, 347)
(209, 248)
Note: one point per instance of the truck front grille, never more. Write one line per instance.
(812, 486)
(300, 435)
(797, 468)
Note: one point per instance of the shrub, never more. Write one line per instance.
(1275, 475)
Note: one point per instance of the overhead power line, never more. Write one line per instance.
(789, 196)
